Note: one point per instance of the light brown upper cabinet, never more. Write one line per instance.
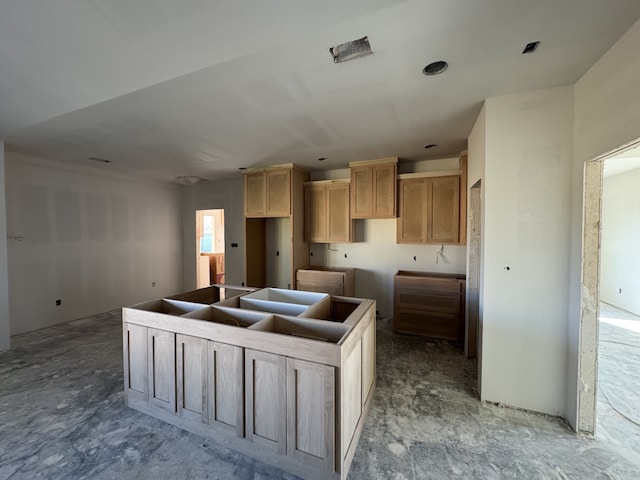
(429, 210)
(327, 218)
(433, 207)
(267, 192)
(373, 188)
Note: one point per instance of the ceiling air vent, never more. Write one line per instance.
(531, 47)
(351, 50)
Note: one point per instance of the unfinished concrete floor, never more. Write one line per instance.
(62, 416)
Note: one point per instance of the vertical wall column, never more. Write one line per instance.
(4, 275)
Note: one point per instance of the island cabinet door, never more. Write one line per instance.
(265, 400)
(225, 387)
(136, 386)
(311, 413)
(191, 381)
(161, 355)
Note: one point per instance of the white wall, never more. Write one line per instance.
(526, 247)
(94, 239)
(607, 115)
(4, 279)
(619, 252)
(225, 194)
(375, 253)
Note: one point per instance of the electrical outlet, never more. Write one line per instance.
(619, 290)
(58, 302)
(153, 284)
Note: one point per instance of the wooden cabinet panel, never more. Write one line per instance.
(412, 222)
(327, 218)
(373, 188)
(362, 192)
(254, 194)
(429, 304)
(225, 387)
(161, 349)
(338, 218)
(136, 386)
(311, 413)
(315, 213)
(335, 281)
(443, 214)
(278, 193)
(265, 410)
(368, 361)
(384, 191)
(191, 373)
(351, 395)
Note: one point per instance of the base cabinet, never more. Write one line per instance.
(290, 391)
(429, 304)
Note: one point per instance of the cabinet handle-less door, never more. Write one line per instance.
(265, 401)
(191, 373)
(311, 413)
(161, 350)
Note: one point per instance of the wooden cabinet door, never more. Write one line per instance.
(254, 185)
(361, 192)
(278, 193)
(384, 191)
(161, 354)
(315, 213)
(265, 400)
(225, 387)
(311, 413)
(136, 385)
(339, 219)
(191, 377)
(443, 216)
(412, 222)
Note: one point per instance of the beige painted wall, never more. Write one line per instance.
(607, 115)
(94, 239)
(526, 245)
(4, 279)
(619, 252)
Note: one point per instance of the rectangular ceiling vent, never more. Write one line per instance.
(351, 50)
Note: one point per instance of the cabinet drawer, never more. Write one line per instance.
(445, 326)
(414, 300)
(436, 285)
(320, 276)
(331, 289)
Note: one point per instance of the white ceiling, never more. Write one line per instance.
(201, 87)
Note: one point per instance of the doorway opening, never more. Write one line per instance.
(611, 214)
(209, 247)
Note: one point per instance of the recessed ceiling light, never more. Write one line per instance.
(531, 47)
(97, 159)
(351, 50)
(435, 68)
(431, 145)
(322, 159)
(242, 168)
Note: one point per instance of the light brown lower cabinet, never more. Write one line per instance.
(270, 389)
(332, 280)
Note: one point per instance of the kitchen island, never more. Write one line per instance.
(283, 376)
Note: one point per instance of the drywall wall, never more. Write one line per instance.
(375, 253)
(93, 239)
(619, 254)
(5, 329)
(224, 194)
(526, 246)
(475, 176)
(607, 115)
